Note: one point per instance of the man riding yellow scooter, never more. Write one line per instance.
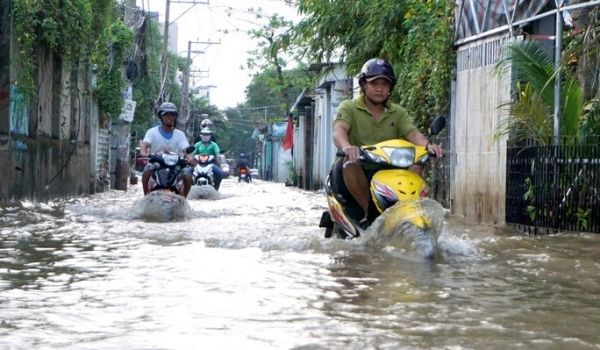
(381, 135)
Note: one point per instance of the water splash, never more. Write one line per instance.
(204, 192)
(410, 227)
(458, 247)
(161, 206)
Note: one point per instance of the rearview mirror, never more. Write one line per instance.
(437, 125)
(190, 150)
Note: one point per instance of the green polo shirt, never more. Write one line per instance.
(394, 123)
(211, 149)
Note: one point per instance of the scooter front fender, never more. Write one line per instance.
(395, 185)
(338, 216)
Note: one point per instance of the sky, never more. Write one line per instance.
(221, 61)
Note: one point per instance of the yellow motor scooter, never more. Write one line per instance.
(392, 186)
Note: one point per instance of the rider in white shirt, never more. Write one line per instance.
(162, 138)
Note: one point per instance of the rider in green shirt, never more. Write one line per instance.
(206, 146)
(368, 119)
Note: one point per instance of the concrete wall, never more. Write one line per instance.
(323, 138)
(298, 149)
(4, 66)
(332, 88)
(45, 142)
(42, 169)
(478, 191)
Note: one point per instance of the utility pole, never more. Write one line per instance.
(557, 65)
(264, 150)
(164, 64)
(185, 86)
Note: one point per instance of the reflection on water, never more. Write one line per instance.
(249, 268)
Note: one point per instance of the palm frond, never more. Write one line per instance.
(525, 119)
(571, 107)
(529, 62)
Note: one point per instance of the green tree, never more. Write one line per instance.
(241, 123)
(79, 33)
(581, 51)
(200, 109)
(414, 35)
(264, 105)
(267, 58)
(581, 47)
(266, 91)
(109, 59)
(148, 83)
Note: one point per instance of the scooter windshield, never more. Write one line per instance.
(170, 159)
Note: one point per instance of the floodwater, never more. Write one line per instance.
(248, 268)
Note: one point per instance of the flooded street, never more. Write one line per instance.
(248, 268)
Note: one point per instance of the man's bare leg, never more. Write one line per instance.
(356, 182)
(418, 169)
(145, 178)
(187, 184)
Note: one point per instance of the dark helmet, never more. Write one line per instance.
(206, 123)
(167, 108)
(377, 68)
(242, 155)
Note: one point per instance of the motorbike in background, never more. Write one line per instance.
(203, 170)
(244, 175)
(410, 221)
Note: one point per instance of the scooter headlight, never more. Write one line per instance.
(401, 157)
(170, 159)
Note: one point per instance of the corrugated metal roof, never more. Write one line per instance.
(475, 17)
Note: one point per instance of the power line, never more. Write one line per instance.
(246, 108)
